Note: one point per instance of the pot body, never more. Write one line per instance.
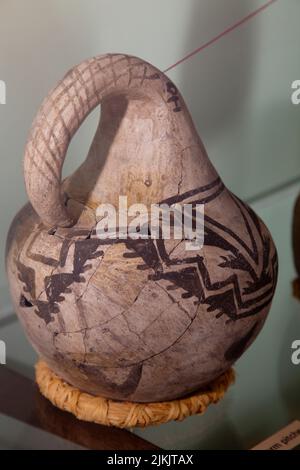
(141, 320)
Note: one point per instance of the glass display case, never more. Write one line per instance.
(264, 398)
(239, 63)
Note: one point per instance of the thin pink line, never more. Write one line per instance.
(224, 33)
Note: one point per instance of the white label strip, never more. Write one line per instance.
(286, 439)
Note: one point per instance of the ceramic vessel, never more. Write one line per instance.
(140, 320)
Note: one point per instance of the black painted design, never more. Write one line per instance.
(126, 388)
(173, 96)
(191, 274)
(225, 297)
(214, 189)
(27, 277)
(56, 285)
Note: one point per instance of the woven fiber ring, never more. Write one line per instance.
(124, 414)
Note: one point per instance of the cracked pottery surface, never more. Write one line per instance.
(140, 320)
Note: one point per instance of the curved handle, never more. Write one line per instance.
(63, 111)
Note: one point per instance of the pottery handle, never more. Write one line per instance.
(63, 111)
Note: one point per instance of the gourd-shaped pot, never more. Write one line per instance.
(145, 319)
